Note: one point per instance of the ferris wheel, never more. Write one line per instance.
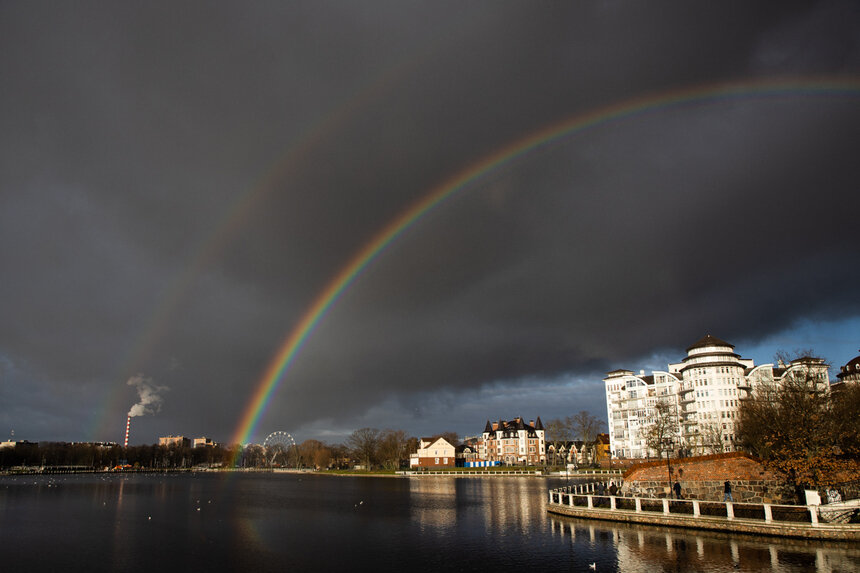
(278, 444)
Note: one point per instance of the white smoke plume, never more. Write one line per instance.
(149, 395)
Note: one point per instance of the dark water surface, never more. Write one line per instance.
(283, 522)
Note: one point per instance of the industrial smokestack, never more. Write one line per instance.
(127, 428)
(149, 396)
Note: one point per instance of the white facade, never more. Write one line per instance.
(703, 392)
(630, 403)
(433, 452)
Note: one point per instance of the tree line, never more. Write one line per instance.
(370, 447)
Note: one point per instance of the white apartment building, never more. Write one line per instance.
(702, 392)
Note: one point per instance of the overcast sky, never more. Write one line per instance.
(180, 180)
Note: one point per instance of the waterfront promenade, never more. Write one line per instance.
(797, 521)
(473, 472)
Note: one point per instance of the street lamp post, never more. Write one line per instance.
(667, 447)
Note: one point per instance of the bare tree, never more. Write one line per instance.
(363, 444)
(278, 455)
(392, 449)
(315, 454)
(557, 432)
(662, 427)
(711, 438)
(586, 427)
(451, 437)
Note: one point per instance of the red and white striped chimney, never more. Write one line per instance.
(127, 428)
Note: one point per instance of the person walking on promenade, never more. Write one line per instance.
(613, 489)
(727, 492)
(677, 488)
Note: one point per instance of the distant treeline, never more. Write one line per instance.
(369, 446)
(101, 457)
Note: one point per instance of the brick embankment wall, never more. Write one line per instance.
(704, 478)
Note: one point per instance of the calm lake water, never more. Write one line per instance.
(283, 522)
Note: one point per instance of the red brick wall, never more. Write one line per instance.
(732, 465)
(431, 462)
(703, 478)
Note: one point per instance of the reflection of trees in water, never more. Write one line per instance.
(651, 548)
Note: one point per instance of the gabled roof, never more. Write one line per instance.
(433, 440)
(515, 425)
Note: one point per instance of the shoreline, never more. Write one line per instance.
(397, 474)
(814, 529)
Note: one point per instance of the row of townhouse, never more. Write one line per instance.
(701, 393)
(578, 452)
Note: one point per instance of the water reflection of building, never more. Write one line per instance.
(646, 549)
(433, 501)
(507, 502)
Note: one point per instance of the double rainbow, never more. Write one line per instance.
(292, 345)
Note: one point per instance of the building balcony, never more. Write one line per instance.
(684, 390)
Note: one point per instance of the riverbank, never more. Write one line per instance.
(800, 522)
(605, 475)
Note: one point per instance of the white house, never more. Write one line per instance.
(433, 453)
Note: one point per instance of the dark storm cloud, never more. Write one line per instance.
(131, 135)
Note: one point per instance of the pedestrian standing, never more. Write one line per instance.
(727, 492)
(613, 489)
(677, 488)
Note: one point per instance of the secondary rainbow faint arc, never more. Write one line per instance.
(282, 360)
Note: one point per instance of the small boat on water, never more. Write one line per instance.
(840, 512)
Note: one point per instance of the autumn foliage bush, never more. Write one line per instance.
(808, 437)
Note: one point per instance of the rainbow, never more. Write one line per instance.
(298, 336)
(234, 219)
